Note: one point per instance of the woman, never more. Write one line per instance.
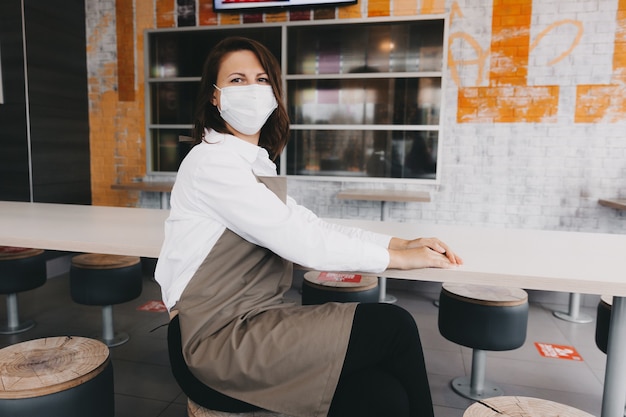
(226, 263)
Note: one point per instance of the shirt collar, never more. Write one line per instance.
(255, 155)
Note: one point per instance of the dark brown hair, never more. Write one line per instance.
(275, 132)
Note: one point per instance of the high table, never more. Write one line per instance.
(161, 187)
(616, 203)
(76, 228)
(385, 197)
(592, 263)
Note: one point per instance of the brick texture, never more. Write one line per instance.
(533, 114)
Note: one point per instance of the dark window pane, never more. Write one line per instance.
(361, 48)
(172, 103)
(182, 54)
(401, 101)
(167, 150)
(363, 153)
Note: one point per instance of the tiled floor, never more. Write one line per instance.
(144, 386)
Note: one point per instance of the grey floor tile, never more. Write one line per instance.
(145, 387)
(145, 381)
(129, 406)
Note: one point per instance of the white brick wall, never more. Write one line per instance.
(518, 175)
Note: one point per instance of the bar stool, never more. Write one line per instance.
(482, 318)
(323, 287)
(56, 377)
(193, 388)
(105, 280)
(521, 407)
(603, 322)
(194, 410)
(21, 269)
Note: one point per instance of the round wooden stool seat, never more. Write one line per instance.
(56, 376)
(483, 318)
(8, 253)
(194, 410)
(105, 280)
(323, 287)
(521, 407)
(102, 261)
(21, 269)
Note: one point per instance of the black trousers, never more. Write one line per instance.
(383, 373)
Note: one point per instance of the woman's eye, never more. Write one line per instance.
(263, 80)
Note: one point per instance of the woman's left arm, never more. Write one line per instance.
(433, 243)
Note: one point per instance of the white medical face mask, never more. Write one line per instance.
(247, 108)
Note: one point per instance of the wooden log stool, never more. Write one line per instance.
(482, 318)
(521, 407)
(323, 287)
(56, 377)
(105, 280)
(194, 410)
(21, 269)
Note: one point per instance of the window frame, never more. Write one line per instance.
(284, 27)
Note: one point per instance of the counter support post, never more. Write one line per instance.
(573, 314)
(614, 396)
(382, 281)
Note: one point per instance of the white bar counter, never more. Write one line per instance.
(592, 263)
(78, 228)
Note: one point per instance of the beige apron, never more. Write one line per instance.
(241, 338)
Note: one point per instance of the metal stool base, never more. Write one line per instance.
(579, 318)
(118, 339)
(21, 327)
(462, 386)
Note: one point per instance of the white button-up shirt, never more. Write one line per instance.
(217, 188)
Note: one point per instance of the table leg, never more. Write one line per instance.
(573, 314)
(165, 201)
(614, 396)
(383, 297)
(382, 281)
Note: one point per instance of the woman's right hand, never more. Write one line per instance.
(422, 253)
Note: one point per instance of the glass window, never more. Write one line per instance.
(363, 153)
(363, 98)
(362, 48)
(398, 101)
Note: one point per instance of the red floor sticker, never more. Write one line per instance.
(558, 351)
(153, 306)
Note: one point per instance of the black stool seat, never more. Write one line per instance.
(323, 287)
(21, 269)
(482, 318)
(603, 322)
(105, 280)
(200, 397)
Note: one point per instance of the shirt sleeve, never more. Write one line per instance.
(226, 189)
